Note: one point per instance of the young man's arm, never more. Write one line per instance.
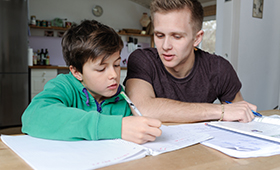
(168, 110)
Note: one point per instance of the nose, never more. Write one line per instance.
(166, 44)
(113, 74)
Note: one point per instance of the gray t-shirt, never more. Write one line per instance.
(212, 77)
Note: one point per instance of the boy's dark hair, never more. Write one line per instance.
(88, 41)
(163, 6)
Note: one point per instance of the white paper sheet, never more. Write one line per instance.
(256, 129)
(50, 154)
(273, 119)
(234, 144)
(172, 138)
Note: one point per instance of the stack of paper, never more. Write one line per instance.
(234, 144)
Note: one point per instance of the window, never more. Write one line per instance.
(209, 37)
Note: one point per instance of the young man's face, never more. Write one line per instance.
(102, 79)
(174, 38)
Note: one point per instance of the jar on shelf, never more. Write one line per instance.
(38, 23)
(33, 20)
(144, 21)
(49, 24)
(44, 23)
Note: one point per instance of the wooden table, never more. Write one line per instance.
(194, 157)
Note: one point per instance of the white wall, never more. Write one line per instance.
(117, 13)
(227, 30)
(252, 45)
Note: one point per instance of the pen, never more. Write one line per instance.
(130, 103)
(255, 113)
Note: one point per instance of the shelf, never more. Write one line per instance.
(51, 28)
(63, 28)
(140, 35)
(120, 33)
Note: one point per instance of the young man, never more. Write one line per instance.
(177, 82)
(86, 103)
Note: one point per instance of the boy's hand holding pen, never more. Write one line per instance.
(139, 129)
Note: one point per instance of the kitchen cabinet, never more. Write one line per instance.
(39, 77)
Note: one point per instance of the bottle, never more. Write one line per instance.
(34, 58)
(47, 57)
(30, 56)
(48, 60)
(38, 57)
(42, 56)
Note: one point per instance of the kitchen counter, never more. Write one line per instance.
(56, 67)
(48, 67)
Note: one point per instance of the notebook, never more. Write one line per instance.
(52, 154)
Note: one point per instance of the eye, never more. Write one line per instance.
(100, 70)
(117, 62)
(176, 36)
(159, 35)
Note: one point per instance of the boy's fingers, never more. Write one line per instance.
(154, 122)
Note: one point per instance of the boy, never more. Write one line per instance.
(86, 103)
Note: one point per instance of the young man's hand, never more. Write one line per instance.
(140, 129)
(239, 111)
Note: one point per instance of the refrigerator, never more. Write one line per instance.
(13, 61)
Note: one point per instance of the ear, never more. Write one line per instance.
(76, 73)
(198, 38)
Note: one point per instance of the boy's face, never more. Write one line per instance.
(102, 79)
(174, 38)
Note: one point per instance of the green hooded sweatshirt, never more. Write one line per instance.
(64, 110)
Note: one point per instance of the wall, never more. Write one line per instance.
(252, 46)
(118, 14)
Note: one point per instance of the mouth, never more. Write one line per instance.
(113, 86)
(168, 57)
